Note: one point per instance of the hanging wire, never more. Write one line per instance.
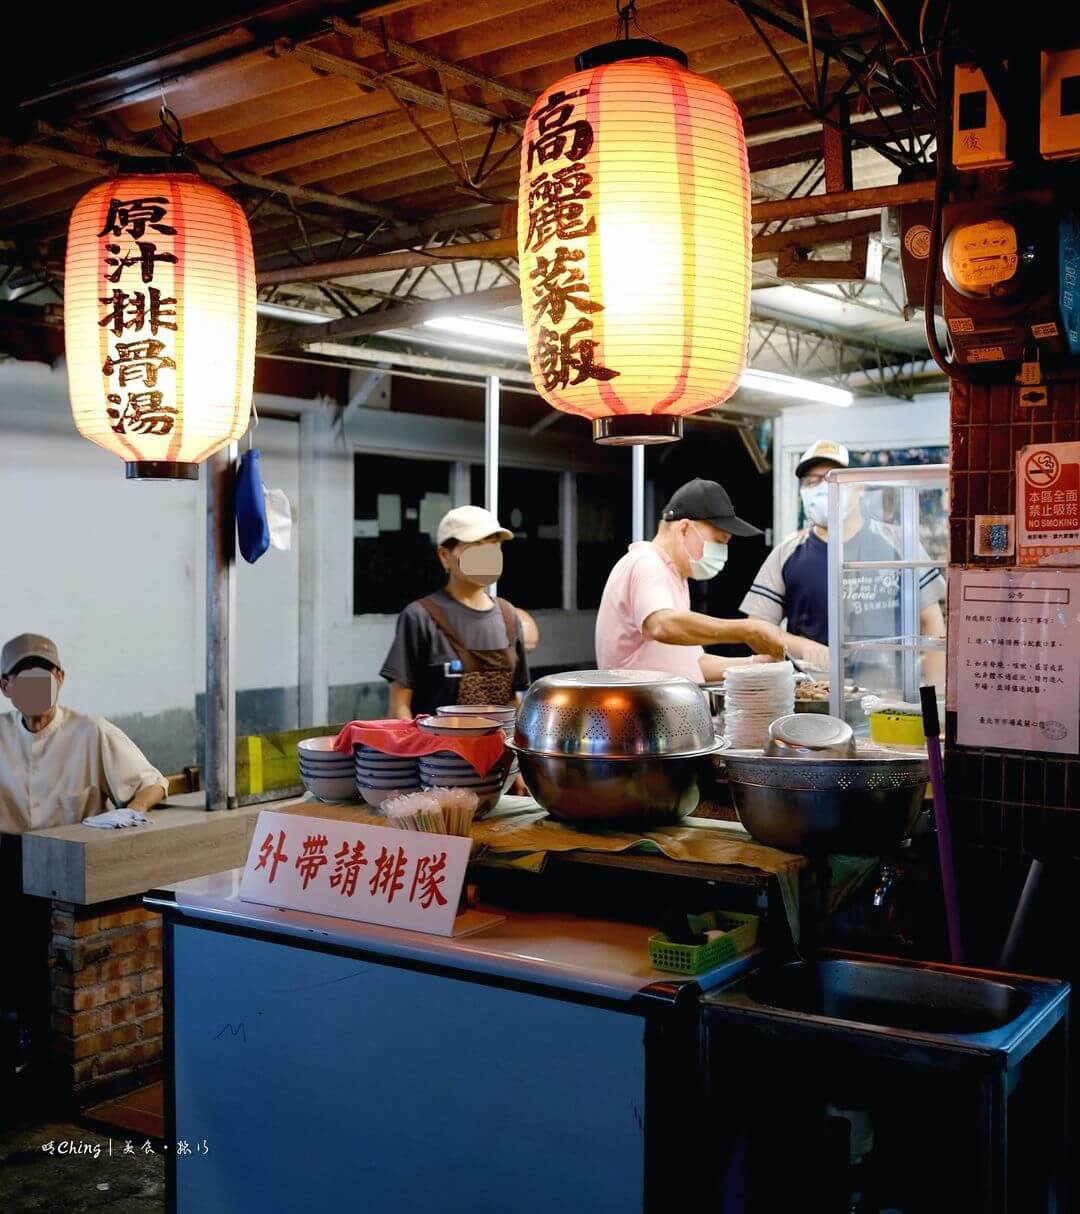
(626, 13)
(170, 124)
(252, 424)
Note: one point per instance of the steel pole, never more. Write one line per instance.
(220, 718)
(637, 493)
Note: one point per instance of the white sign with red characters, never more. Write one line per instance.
(1048, 504)
(373, 874)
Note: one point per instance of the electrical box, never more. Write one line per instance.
(1000, 294)
(979, 132)
(1059, 105)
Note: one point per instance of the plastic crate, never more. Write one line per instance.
(740, 935)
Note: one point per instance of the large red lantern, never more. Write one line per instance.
(159, 320)
(634, 242)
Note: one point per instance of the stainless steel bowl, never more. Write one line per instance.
(866, 805)
(615, 714)
(614, 746)
(606, 792)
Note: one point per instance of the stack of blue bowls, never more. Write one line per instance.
(324, 772)
(447, 769)
(380, 776)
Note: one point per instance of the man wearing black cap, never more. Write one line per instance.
(645, 621)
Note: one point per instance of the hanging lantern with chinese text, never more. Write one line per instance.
(159, 319)
(634, 242)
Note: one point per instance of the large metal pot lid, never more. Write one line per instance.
(814, 731)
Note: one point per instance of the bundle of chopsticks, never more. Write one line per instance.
(440, 811)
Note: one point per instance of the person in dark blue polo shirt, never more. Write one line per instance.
(791, 587)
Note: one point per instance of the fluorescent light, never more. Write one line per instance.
(790, 385)
(759, 381)
(488, 330)
(300, 316)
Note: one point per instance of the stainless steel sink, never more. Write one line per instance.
(890, 996)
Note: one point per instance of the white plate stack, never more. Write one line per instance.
(505, 714)
(754, 696)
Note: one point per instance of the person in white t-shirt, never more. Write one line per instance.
(645, 621)
(57, 767)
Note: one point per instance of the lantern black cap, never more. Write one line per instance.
(628, 48)
(636, 429)
(160, 470)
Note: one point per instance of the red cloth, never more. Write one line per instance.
(407, 738)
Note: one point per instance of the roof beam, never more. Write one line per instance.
(485, 250)
(394, 317)
(402, 50)
(210, 168)
(405, 90)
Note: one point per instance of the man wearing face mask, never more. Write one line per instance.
(459, 645)
(645, 621)
(792, 584)
(56, 768)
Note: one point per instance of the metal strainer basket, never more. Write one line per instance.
(866, 771)
(615, 714)
(866, 805)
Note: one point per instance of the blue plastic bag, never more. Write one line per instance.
(252, 529)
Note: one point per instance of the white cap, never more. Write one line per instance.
(469, 524)
(823, 450)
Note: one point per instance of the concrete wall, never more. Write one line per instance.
(113, 571)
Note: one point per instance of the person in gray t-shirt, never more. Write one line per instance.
(459, 645)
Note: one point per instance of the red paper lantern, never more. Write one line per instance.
(634, 242)
(159, 320)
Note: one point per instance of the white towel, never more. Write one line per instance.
(114, 819)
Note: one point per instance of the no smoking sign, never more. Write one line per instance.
(1048, 509)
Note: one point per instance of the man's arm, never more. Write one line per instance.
(401, 702)
(673, 627)
(714, 668)
(806, 650)
(146, 798)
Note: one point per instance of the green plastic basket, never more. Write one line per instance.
(740, 935)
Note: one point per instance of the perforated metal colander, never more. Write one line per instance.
(615, 714)
(871, 771)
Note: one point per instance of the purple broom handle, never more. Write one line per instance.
(932, 729)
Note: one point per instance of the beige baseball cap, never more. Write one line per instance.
(824, 449)
(27, 645)
(469, 524)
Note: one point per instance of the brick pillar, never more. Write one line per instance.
(106, 994)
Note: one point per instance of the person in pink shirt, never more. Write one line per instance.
(645, 621)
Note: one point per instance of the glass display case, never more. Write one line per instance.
(888, 578)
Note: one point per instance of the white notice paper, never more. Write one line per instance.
(372, 874)
(388, 508)
(1017, 659)
(432, 508)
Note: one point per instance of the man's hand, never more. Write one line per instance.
(763, 637)
(146, 798)
(812, 654)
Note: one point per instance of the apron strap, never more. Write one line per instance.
(470, 659)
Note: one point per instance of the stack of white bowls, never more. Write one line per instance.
(324, 772)
(505, 714)
(447, 769)
(380, 776)
(754, 696)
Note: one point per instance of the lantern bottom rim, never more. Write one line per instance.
(160, 470)
(636, 429)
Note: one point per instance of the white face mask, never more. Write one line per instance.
(34, 692)
(816, 503)
(711, 561)
(482, 564)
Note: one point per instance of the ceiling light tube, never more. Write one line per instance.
(791, 385)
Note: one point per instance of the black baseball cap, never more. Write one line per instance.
(707, 502)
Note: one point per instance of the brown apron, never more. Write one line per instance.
(487, 674)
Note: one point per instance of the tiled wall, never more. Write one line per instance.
(1005, 804)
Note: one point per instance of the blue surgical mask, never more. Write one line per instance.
(711, 561)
